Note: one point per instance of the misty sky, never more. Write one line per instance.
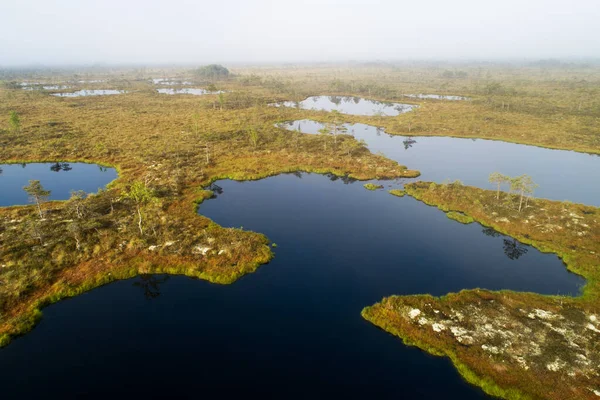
(55, 32)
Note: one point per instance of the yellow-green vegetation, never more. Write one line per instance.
(460, 217)
(397, 192)
(166, 149)
(548, 106)
(372, 186)
(513, 345)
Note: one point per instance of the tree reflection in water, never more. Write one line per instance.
(150, 284)
(490, 232)
(513, 249)
(56, 167)
(408, 143)
(346, 179)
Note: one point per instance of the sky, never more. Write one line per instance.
(67, 32)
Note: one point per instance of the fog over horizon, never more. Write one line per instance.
(70, 32)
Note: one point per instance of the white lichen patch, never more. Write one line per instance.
(543, 314)
(556, 365)
(522, 363)
(581, 359)
(466, 340)
(202, 250)
(414, 313)
(555, 340)
(593, 328)
(458, 331)
(491, 349)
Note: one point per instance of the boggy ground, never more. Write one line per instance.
(178, 144)
(547, 105)
(174, 146)
(513, 345)
(554, 105)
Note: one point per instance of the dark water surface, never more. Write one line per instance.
(59, 178)
(350, 105)
(292, 329)
(560, 174)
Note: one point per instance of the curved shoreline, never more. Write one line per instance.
(356, 119)
(451, 325)
(144, 261)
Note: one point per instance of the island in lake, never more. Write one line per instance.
(222, 226)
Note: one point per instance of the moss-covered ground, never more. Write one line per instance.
(513, 345)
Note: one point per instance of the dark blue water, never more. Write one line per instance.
(59, 178)
(292, 329)
(560, 174)
(350, 105)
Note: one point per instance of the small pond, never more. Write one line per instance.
(436, 97)
(55, 87)
(560, 174)
(92, 81)
(89, 92)
(45, 87)
(349, 105)
(170, 82)
(59, 178)
(197, 92)
(292, 329)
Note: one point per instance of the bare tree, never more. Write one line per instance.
(37, 194)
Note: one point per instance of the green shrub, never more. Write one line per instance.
(372, 186)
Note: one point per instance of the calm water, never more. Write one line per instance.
(435, 96)
(169, 82)
(45, 87)
(197, 92)
(60, 178)
(55, 87)
(89, 92)
(350, 105)
(561, 175)
(291, 330)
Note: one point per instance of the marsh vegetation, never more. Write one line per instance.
(175, 152)
(442, 158)
(538, 340)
